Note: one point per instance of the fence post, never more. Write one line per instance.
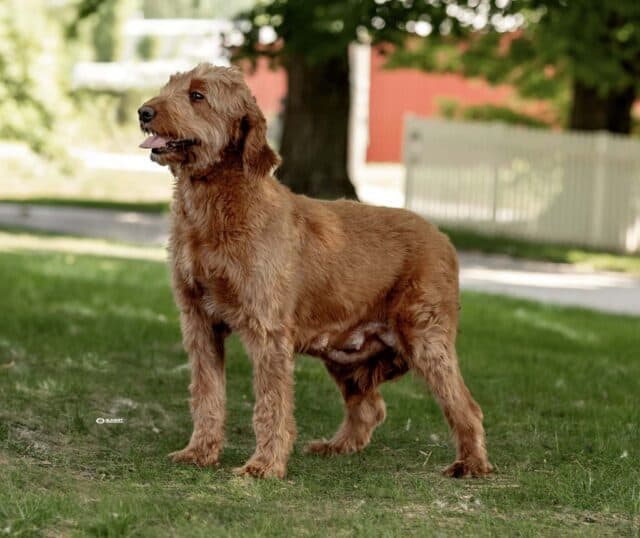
(495, 165)
(599, 187)
(409, 159)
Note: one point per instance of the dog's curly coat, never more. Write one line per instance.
(371, 291)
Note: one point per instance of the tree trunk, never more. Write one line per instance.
(619, 106)
(592, 111)
(315, 128)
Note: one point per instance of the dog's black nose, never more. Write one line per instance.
(146, 113)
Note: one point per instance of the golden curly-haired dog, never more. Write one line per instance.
(371, 291)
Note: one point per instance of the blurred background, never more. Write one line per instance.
(514, 119)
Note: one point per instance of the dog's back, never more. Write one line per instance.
(354, 257)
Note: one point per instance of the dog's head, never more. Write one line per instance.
(199, 114)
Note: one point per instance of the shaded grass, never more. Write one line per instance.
(83, 337)
(89, 203)
(604, 261)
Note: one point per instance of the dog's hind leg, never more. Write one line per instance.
(429, 338)
(363, 412)
(364, 406)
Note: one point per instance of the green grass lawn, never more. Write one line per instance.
(83, 337)
(90, 203)
(593, 259)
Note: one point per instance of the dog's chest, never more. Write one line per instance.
(208, 270)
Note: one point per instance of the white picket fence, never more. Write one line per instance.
(574, 188)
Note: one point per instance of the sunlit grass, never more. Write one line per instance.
(83, 337)
(24, 241)
(90, 203)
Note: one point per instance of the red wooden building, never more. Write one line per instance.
(392, 94)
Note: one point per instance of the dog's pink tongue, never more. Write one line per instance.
(154, 141)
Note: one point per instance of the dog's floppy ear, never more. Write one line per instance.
(258, 159)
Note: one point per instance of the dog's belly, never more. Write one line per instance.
(355, 345)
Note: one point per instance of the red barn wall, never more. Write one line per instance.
(395, 93)
(268, 85)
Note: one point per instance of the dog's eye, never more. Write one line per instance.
(196, 96)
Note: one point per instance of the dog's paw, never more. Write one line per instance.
(259, 469)
(468, 468)
(328, 448)
(195, 456)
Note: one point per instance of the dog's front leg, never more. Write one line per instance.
(204, 342)
(273, 422)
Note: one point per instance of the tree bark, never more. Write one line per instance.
(315, 128)
(591, 111)
(619, 106)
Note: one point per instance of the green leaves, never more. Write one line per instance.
(319, 29)
(558, 46)
(26, 110)
(598, 46)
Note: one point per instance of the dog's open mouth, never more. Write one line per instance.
(165, 144)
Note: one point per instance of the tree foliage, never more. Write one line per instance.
(489, 113)
(106, 18)
(598, 45)
(28, 73)
(322, 29)
(556, 47)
